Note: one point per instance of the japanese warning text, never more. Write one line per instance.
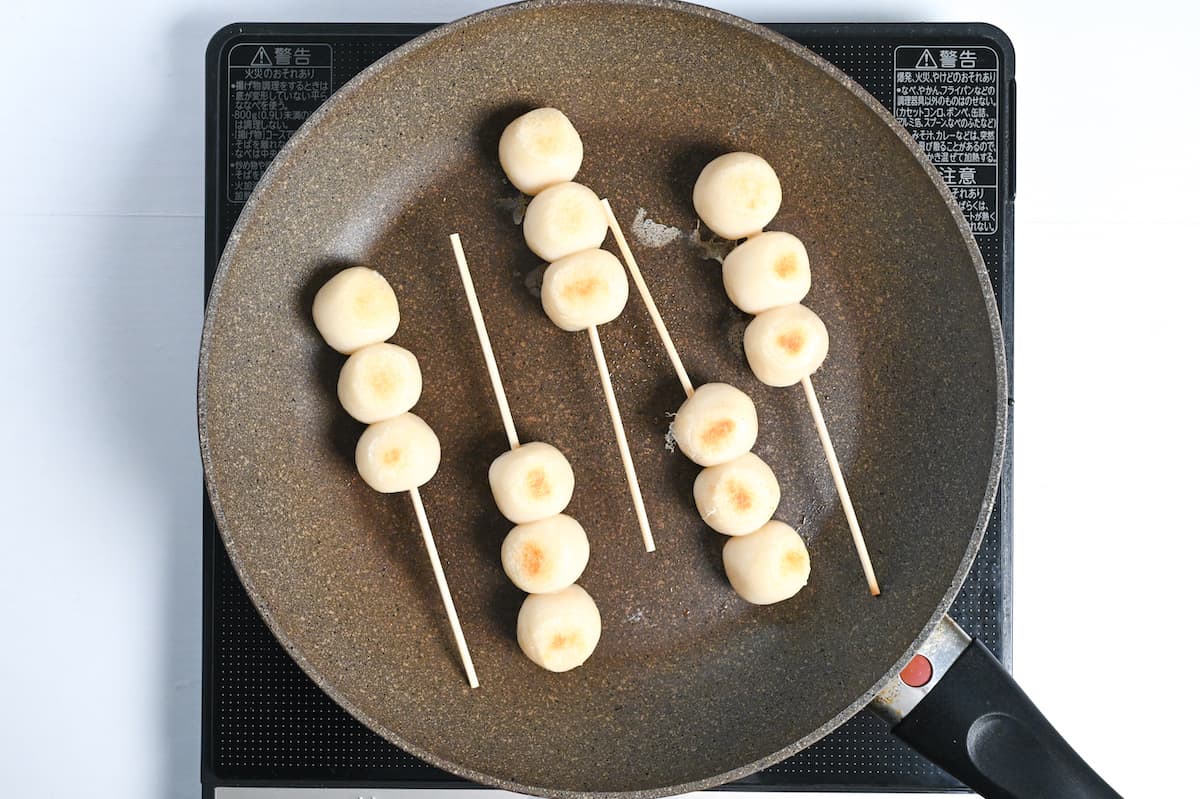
(948, 99)
(273, 88)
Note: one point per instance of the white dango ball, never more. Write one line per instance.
(564, 219)
(398, 454)
(768, 565)
(559, 631)
(767, 271)
(737, 195)
(539, 149)
(356, 307)
(545, 556)
(378, 382)
(716, 424)
(785, 345)
(532, 482)
(737, 497)
(585, 289)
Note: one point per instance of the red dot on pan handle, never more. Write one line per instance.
(918, 672)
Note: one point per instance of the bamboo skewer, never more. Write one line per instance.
(610, 398)
(440, 576)
(839, 482)
(664, 335)
(635, 490)
(485, 342)
(406, 478)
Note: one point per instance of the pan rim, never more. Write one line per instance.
(297, 142)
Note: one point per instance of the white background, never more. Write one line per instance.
(101, 249)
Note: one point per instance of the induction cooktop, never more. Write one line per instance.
(269, 731)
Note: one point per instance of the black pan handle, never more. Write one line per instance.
(964, 712)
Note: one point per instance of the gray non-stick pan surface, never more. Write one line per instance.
(690, 686)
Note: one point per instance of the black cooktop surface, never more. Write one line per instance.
(265, 723)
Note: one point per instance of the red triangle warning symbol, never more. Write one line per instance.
(925, 61)
(261, 59)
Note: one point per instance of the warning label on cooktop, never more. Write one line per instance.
(273, 88)
(949, 100)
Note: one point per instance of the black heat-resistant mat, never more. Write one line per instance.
(265, 723)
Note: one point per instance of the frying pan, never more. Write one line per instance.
(690, 686)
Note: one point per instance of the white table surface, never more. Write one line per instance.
(101, 231)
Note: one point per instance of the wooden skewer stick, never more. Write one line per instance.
(635, 490)
(440, 577)
(485, 342)
(840, 482)
(819, 418)
(610, 398)
(663, 334)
